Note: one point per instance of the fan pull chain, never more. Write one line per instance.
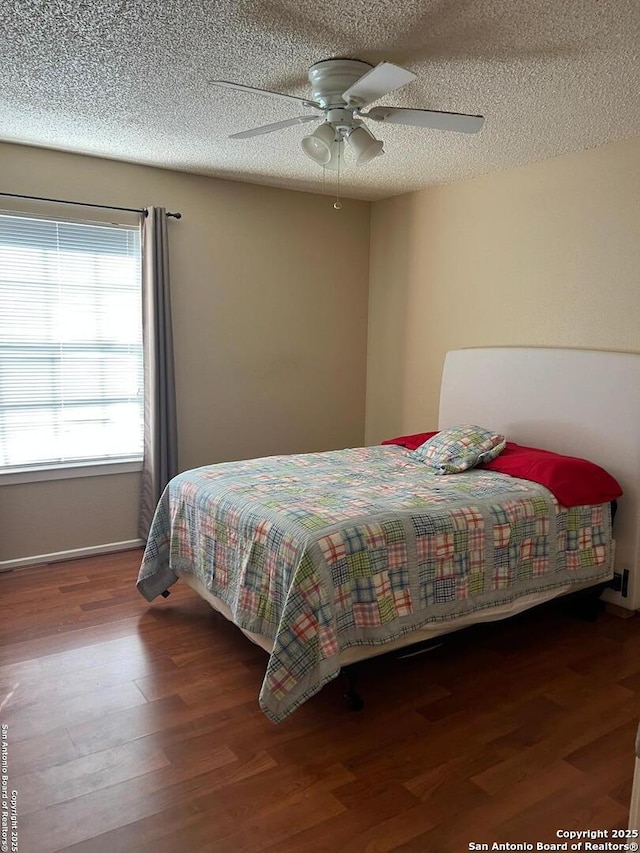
(337, 203)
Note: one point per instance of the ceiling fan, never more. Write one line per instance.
(341, 88)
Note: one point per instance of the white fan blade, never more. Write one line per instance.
(269, 128)
(426, 118)
(252, 91)
(381, 80)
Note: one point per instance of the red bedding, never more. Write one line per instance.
(574, 481)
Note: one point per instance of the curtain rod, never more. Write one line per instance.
(142, 210)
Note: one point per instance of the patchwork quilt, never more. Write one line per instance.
(324, 551)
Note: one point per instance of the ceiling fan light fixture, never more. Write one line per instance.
(337, 154)
(318, 145)
(364, 144)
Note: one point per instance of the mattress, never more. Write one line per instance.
(327, 553)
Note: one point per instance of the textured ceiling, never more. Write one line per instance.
(127, 79)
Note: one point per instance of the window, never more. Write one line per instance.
(71, 379)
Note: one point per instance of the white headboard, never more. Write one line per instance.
(578, 402)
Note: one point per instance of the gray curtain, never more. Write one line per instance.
(160, 425)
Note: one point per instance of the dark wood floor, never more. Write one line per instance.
(135, 727)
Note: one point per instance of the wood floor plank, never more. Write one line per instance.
(481, 822)
(575, 729)
(57, 826)
(41, 752)
(30, 688)
(274, 817)
(38, 719)
(151, 833)
(586, 808)
(87, 773)
(136, 727)
(55, 642)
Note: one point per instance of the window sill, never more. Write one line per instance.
(68, 472)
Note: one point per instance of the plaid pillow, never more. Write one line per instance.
(454, 450)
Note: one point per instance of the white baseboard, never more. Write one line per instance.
(73, 554)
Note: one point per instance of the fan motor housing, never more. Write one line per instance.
(331, 77)
(340, 119)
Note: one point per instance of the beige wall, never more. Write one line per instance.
(270, 336)
(271, 341)
(544, 255)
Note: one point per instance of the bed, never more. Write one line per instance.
(328, 558)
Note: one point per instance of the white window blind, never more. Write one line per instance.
(71, 380)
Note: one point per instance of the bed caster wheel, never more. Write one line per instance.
(353, 702)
